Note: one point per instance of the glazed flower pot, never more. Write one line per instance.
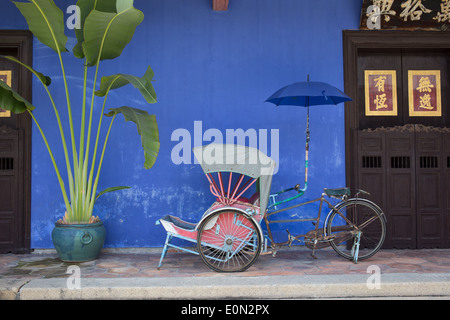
(78, 242)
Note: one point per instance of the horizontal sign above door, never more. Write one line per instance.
(405, 14)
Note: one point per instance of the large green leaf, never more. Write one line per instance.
(144, 84)
(147, 128)
(12, 101)
(107, 34)
(44, 79)
(46, 22)
(86, 7)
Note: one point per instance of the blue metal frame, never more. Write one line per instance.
(251, 233)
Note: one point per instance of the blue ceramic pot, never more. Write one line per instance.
(78, 242)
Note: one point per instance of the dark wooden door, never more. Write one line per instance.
(15, 147)
(446, 178)
(426, 59)
(401, 188)
(407, 169)
(403, 160)
(430, 190)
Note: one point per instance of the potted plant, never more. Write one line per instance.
(106, 27)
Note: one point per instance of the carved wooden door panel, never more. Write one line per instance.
(446, 176)
(430, 190)
(9, 186)
(401, 188)
(407, 171)
(15, 147)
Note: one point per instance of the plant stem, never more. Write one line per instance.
(61, 182)
(72, 136)
(91, 206)
(58, 50)
(66, 154)
(88, 143)
(58, 118)
(82, 200)
(94, 157)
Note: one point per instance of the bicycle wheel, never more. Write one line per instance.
(363, 219)
(229, 241)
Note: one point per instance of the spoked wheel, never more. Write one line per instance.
(364, 221)
(229, 241)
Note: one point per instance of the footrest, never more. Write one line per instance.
(337, 192)
(179, 223)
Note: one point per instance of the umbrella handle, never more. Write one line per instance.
(306, 165)
(308, 138)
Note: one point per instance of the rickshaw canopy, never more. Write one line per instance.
(249, 161)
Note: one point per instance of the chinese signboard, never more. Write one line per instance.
(5, 76)
(381, 92)
(405, 14)
(424, 88)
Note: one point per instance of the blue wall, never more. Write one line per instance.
(216, 68)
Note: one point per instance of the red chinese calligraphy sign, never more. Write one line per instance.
(5, 76)
(424, 88)
(381, 92)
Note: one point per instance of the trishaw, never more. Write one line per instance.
(229, 236)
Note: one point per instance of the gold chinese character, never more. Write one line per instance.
(425, 85)
(384, 7)
(380, 101)
(444, 15)
(425, 102)
(380, 83)
(413, 9)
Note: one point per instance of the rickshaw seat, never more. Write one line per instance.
(179, 223)
(337, 192)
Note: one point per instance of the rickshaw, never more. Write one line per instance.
(229, 236)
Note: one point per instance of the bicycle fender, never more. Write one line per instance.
(258, 225)
(350, 200)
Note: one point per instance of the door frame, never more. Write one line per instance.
(22, 42)
(356, 40)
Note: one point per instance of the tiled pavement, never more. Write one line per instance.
(286, 263)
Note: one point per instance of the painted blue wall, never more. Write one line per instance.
(216, 68)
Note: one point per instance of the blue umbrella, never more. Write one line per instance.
(306, 94)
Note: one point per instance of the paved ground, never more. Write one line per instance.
(291, 274)
(287, 262)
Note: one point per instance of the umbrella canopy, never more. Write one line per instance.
(307, 94)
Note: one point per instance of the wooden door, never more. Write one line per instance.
(15, 147)
(401, 189)
(429, 190)
(403, 160)
(446, 187)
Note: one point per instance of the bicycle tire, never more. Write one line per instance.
(367, 217)
(229, 241)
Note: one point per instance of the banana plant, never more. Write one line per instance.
(107, 26)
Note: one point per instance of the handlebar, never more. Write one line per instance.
(300, 192)
(362, 191)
